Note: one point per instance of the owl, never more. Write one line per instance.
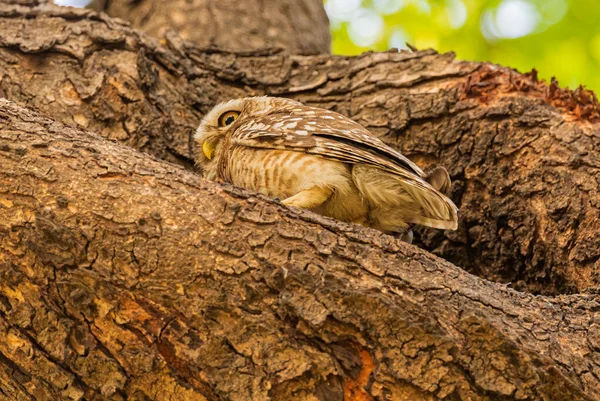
(317, 159)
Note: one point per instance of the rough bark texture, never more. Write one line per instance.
(296, 27)
(123, 277)
(524, 156)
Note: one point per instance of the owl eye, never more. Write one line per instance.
(228, 118)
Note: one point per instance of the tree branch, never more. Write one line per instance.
(523, 155)
(123, 276)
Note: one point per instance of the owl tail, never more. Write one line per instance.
(397, 200)
(437, 210)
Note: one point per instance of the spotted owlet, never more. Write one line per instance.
(320, 160)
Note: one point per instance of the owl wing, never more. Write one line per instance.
(333, 136)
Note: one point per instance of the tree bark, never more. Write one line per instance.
(523, 155)
(124, 277)
(296, 27)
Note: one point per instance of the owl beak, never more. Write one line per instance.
(208, 149)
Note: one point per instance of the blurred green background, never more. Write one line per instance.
(557, 37)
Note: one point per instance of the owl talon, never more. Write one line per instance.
(406, 236)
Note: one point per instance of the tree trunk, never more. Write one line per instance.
(128, 277)
(297, 27)
(524, 156)
(123, 276)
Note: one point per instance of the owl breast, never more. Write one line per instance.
(284, 173)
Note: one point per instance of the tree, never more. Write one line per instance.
(124, 276)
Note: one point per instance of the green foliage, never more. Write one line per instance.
(564, 37)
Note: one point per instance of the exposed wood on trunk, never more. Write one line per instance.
(124, 277)
(295, 27)
(524, 155)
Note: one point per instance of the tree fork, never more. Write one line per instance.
(123, 276)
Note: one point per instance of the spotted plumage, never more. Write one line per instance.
(320, 160)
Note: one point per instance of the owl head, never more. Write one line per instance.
(223, 120)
